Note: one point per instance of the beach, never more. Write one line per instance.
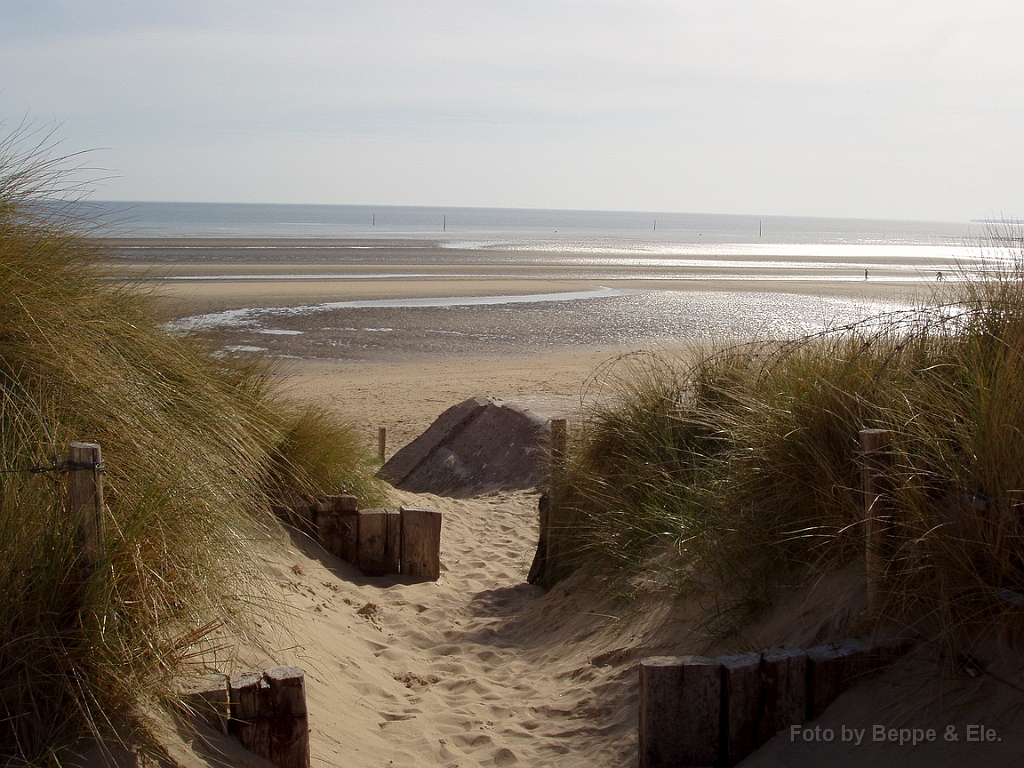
(480, 668)
(390, 333)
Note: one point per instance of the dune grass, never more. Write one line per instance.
(197, 449)
(744, 466)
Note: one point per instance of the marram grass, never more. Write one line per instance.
(197, 449)
(746, 463)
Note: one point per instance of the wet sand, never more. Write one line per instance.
(389, 366)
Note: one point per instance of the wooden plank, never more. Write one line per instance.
(289, 718)
(338, 527)
(85, 470)
(680, 711)
(393, 543)
(421, 543)
(824, 679)
(783, 690)
(741, 706)
(250, 700)
(372, 540)
(208, 699)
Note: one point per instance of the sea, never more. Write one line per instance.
(614, 248)
(534, 229)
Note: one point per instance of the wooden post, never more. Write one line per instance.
(289, 726)
(372, 541)
(421, 543)
(393, 545)
(558, 442)
(382, 442)
(878, 509)
(741, 706)
(680, 711)
(783, 690)
(85, 469)
(250, 702)
(824, 679)
(337, 526)
(269, 715)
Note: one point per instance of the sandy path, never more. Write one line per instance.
(477, 669)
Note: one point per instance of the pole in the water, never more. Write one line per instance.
(444, 223)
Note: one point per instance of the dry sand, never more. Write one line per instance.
(481, 669)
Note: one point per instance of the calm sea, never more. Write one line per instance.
(516, 227)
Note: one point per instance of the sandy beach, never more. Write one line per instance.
(480, 668)
(387, 366)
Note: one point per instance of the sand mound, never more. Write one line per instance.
(477, 446)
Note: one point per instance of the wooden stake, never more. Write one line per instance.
(680, 711)
(382, 442)
(250, 703)
(393, 547)
(876, 445)
(85, 469)
(372, 541)
(741, 706)
(783, 690)
(289, 730)
(421, 543)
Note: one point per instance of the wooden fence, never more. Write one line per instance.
(266, 711)
(696, 711)
(405, 541)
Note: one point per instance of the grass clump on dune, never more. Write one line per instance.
(197, 449)
(745, 466)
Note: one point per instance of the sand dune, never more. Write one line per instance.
(481, 669)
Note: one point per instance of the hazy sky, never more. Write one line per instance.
(891, 109)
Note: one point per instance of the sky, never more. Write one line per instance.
(900, 109)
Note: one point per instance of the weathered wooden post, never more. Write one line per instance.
(825, 681)
(783, 690)
(680, 710)
(250, 702)
(741, 706)
(372, 541)
(382, 443)
(337, 523)
(85, 470)
(557, 439)
(421, 543)
(289, 726)
(268, 712)
(876, 446)
(393, 545)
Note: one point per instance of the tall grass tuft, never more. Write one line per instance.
(196, 448)
(746, 463)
